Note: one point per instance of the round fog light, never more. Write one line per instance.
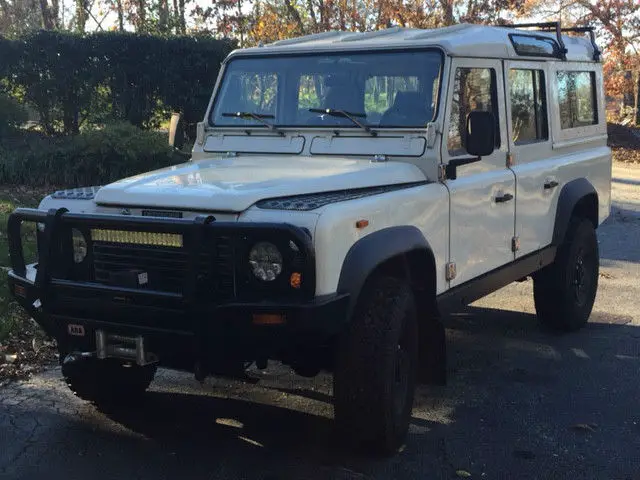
(266, 261)
(80, 247)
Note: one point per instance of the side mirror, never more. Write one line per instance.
(480, 134)
(176, 131)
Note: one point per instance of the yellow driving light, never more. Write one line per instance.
(137, 238)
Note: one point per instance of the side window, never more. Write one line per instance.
(577, 99)
(528, 106)
(474, 89)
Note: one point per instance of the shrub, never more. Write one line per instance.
(93, 157)
(12, 115)
(69, 77)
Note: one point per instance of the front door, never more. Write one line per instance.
(482, 210)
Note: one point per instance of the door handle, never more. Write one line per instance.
(504, 198)
(549, 184)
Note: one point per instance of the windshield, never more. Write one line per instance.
(382, 89)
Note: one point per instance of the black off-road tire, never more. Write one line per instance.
(106, 382)
(375, 372)
(564, 291)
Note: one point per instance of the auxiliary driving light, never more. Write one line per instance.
(137, 238)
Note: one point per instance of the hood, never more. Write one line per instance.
(233, 184)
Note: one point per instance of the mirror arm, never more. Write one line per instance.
(452, 167)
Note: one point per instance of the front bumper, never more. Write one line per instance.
(181, 329)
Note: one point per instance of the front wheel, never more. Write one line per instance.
(375, 372)
(564, 292)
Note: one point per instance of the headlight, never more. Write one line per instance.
(79, 246)
(266, 261)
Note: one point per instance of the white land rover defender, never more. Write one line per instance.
(345, 190)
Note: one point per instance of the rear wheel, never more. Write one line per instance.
(564, 292)
(106, 381)
(375, 372)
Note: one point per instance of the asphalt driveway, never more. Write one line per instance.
(521, 403)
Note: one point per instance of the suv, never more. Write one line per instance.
(345, 190)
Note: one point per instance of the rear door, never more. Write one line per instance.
(532, 154)
(482, 210)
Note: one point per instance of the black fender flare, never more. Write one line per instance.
(571, 195)
(373, 250)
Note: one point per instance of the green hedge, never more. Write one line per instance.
(93, 157)
(70, 79)
(12, 115)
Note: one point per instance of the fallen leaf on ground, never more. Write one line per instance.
(463, 474)
(585, 427)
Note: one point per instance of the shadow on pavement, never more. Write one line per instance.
(626, 181)
(521, 403)
(619, 234)
(520, 399)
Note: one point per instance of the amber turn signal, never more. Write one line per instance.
(269, 319)
(295, 280)
(362, 223)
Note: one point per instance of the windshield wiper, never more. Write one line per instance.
(349, 115)
(256, 116)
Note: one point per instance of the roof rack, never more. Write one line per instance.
(559, 29)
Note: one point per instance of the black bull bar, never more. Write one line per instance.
(304, 312)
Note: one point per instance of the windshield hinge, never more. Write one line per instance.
(450, 271)
(379, 158)
(442, 172)
(432, 131)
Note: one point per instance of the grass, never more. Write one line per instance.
(11, 197)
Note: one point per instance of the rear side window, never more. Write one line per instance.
(528, 106)
(474, 89)
(577, 99)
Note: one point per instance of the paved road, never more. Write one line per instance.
(521, 403)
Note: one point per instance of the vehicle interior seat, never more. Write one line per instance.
(408, 109)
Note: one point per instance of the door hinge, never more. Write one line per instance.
(442, 173)
(450, 273)
(515, 244)
(510, 160)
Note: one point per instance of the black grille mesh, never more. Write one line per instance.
(166, 268)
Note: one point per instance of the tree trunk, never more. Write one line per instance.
(181, 17)
(163, 16)
(295, 15)
(81, 16)
(47, 20)
(447, 12)
(176, 16)
(637, 102)
(120, 15)
(240, 23)
(141, 23)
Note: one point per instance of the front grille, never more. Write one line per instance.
(165, 269)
